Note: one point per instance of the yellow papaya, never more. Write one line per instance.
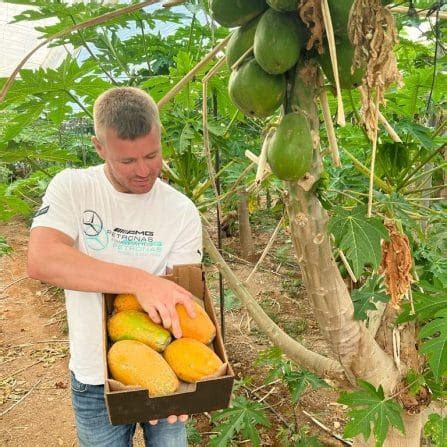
(134, 325)
(134, 363)
(126, 301)
(200, 328)
(191, 360)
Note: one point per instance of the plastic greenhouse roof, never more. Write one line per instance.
(18, 39)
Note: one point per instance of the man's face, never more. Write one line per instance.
(131, 165)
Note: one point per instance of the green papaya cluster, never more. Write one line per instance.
(258, 84)
(260, 80)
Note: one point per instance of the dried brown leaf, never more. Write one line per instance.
(396, 264)
(312, 17)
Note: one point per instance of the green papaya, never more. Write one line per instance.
(340, 10)
(290, 150)
(240, 41)
(236, 12)
(278, 41)
(345, 56)
(136, 325)
(255, 92)
(284, 5)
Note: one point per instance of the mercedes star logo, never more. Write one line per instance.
(92, 223)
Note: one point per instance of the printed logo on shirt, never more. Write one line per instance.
(96, 236)
(127, 242)
(42, 211)
(136, 242)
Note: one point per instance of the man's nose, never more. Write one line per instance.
(142, 168)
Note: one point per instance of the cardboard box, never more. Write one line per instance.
(132, 404)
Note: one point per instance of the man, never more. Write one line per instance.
(114, 228)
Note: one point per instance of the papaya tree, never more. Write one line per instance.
(351, 42)
(285, 56)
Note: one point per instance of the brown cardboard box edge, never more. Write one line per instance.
(127, 405)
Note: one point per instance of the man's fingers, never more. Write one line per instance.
(189, 306)
(183, 417)
(172, 419)
(165, 316)
(153, 314)
(175, 327)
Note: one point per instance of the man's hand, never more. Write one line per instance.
(159, 297)
(171, 419)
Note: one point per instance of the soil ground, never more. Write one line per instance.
(35, 407)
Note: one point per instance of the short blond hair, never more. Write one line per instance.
(130, 111)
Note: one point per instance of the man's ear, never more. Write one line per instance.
(98, 146)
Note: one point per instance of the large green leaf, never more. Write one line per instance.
(370, 410)
(360, 237)
(366, 297)
(435, 345)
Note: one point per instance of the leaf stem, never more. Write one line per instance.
(407, 179)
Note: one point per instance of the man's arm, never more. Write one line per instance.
(53, 259)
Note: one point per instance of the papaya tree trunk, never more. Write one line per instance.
(361, 356)
(245, 236)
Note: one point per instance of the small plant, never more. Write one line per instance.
(193, 435)
(297, 380)
(242, 419)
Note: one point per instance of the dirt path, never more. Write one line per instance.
(35, 408)
(33, 355)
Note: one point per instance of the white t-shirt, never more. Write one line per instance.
(150, 231)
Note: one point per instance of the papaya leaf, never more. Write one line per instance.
(428, 303)
(366, 297)
(19, 119)
(436, 430)
(298, 381)
(370, 408)
(49, 153)
(360, 237)
(242, 418)
(435, 345)
(274, 358)
(11, 206)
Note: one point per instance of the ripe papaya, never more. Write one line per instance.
(255, 92)
(278, 41)
(236, 12)
(126, 301)
(200, 328)
(345, 56)
(240, 41)
(134, 363)
(283, 5)
(192, 360)
(290, 150)
(135, 325)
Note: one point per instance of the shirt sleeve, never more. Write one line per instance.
(188, 247)
(57, 209)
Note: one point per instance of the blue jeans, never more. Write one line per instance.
(95, 430)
